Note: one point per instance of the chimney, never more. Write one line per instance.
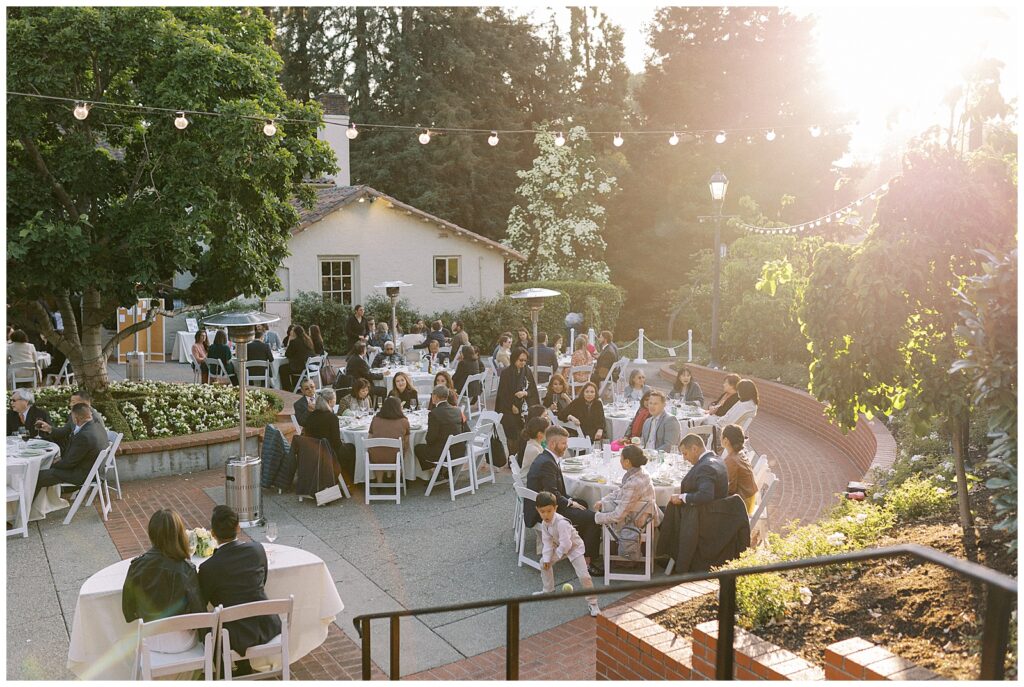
(336, 113)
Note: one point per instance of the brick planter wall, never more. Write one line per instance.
(859, 659)
(868, 445)
(753, 657)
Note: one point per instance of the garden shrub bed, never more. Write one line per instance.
(162, 409)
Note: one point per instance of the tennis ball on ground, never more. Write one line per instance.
(567, 587)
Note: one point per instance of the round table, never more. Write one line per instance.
(618, 419)
(275, 369)
(667, 471)
(24, 461)
(423, 381)
(103, 644)
(355, 431)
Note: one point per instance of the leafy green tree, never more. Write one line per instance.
(316, 44)
(560, 216)
(113, 207)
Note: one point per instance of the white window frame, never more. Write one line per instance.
(352, 291)
(459, 274)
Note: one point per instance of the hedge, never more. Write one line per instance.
(599, 303)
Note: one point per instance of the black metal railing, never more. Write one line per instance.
(1001, 596)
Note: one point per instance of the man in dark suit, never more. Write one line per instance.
(545, 475)
(356, 367)
(608, 356)
(444, 421)
(460, 338)
(546, 356)
(306, 403)
(61, 435)
(707, 480)
(437, 357)
(236, 574)
(257, 350)
(87, 440)
(436, 334)
(24, 413)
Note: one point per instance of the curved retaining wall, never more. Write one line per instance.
(869, 445)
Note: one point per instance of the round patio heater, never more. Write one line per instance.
(535, 301)
(392, 288)
(242, 474)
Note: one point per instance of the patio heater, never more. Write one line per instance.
(391, 288)
(242, 474)
(535, 300)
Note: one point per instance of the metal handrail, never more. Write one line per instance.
(1000, 602)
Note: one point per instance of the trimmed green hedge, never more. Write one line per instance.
(599, 303)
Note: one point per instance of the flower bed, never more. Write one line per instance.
(162, 409)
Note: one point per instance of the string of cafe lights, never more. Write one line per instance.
(834, 216)
(183, 118)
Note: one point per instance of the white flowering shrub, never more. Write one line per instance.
(558, 221)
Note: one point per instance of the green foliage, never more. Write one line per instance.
(379, 308)
(599, 303)
(486, 320)
(917, 497)
(310, 307)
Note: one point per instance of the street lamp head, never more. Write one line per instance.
(535, 297)
(718, 185)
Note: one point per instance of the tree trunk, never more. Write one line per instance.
(960, 430)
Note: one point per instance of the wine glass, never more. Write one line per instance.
(23, 433)
(270, 534)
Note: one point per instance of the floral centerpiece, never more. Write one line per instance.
(200, 542)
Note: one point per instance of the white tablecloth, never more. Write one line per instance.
(24, 461)
(585, 485)
(423, 381)
(356, 432)
(103, 644)
(182, 348)
(617, 420)
(275, 368)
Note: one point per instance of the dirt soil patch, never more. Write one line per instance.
(921, 612)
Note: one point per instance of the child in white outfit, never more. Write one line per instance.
(561, 540)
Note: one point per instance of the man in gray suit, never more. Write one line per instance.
(84, 446)
(661, 430)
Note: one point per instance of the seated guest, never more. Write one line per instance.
(531, 441)
(199, 350)
(388, 356)
(270, 337)
(20, 350)
(300, 349)
(707, 480)
(728, 398)
(523, 339)
(746, 402)
(636, 427)
(163, 583)
(306, 403)
(587, 411)
(637, 386)
(389, 423)
(459, 337)
(380, 336)
(581, 357)
(503, 353)
(445, 420)
(546, 356)
(236, 574)
(546, 475)
(403, 389)
(317, 338)
(686, 389)
(661, 430)
(86, 441)
(557, 344)
(557, 397)
(741, 475)
(435, 335)
(358, 400)
(437, 357)
(608, 356)
(411, 341)
(220, 351)
(257, 350)
(443, 378)
(635, 501)
(25, 414)
(322, 423)
(61, 435)
(469, 364)
(356, 367)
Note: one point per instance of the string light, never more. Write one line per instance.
(559, 139)
(81, 111)
(770, 135)
(815, 131)
(492, 140)
(841, 215)
(181, 121)
(352, 132)
(617, 141)
(673, 139)
(270, 128)
(425, 137)
(720, 137)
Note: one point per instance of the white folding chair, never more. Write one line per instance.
(482, 447)
(745, 419)
(65, 376)
(447, 462)
(276, 647)
(258, 372)
(311, 371)
(759, 518)
(22, 373)
(517, 472)
(580, 445)
(91, 484)
(16, 494)
(705, 431)
(153, 664)
(543, 372)
(573, 384)
(464, 399)
(494, 418)
(526, 498)
(646, 541)
(296, 425)
(761, 471)
(395, 467)
(110, 464)
(218, 373)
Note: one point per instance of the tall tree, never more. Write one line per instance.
(711, 68)
(112, 207)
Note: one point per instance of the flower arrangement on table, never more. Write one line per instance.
(200, 542)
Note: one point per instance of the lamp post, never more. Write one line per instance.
(718, 184)
(241, 328)
(391, 288)
(535, 301)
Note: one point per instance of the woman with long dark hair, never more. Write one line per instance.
(686, 388)
(587, 411)
(389, 423)
(444, 378)
(300, 349)
(517, 391)
(220, 351)
(317, 339)
(199, 350)
(402, 388)
(469, 364)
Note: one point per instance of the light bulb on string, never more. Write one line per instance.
(351, 132)
(770, 135)
(885, 186)
(559, 139)
(829, 218)
(181, 121)
(493, 138)
(673, 139)
(81, 111)
(617, 141)
(425, 137)
(818, 223)
(720, 137)
(270, 128)
(815, 131)
(873, 196)
(860, 202)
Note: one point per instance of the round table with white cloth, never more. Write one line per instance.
(24, 461)
(617, 418)
(275, 367)
(594, 475)
(356, 430)
(103, 644)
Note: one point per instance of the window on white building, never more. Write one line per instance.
(446, 270)
(336, 279)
